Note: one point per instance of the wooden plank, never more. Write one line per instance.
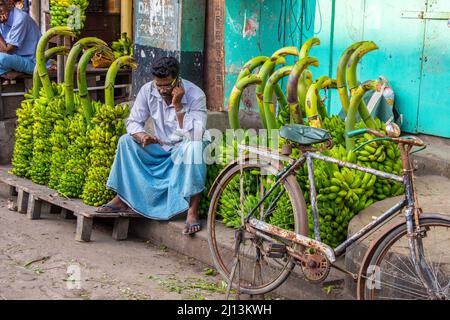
(84, 228)
(22, 201)
(49, 195)
(120, 230)
(34, 208)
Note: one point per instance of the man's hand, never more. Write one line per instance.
(145, 139)
(177, 95)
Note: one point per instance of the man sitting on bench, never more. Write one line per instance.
(19, 36)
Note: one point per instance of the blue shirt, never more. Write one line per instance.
(150, 104)
(22, 32)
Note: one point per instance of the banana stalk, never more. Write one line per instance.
(50, 53)
(341, 76)
(312, 112)
(111, 77)
(304, 52)
(40, 56)
(82, 80)
(286, 51)
(264, 73)
(251, 65)
(321, 83)
(355, 102)
(269, 107)
(235, 98)
(304, 83)
(353, 82)
(70, 68)
(292, 87)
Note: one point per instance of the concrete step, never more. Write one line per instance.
(435, 159)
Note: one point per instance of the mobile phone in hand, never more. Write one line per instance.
(179, 83)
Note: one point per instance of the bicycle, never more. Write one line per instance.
(409, 260)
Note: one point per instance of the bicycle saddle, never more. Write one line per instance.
(304, 135)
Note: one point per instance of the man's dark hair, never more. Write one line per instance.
(167, 66)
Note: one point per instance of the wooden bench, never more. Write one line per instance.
(33, 200)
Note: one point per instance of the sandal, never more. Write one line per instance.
(111, 206)
(192, 228)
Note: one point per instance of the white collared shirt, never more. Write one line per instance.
(149, 103)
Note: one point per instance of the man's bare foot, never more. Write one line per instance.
(193, 223)
(115, 205)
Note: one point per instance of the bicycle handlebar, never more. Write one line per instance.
(405, 140)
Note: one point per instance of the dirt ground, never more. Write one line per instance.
(41, 260)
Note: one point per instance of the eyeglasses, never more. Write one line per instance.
(167, 86)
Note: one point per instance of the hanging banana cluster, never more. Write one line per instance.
(123, 46)
(68, 13)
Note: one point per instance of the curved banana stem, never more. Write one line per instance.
(269, 107)
(353, 82)
(341, 78)
(292, 87)
(40, 56)
(111, 77)
(306, 47)
(235, 98)
(286, 51)
(266, 70)
(322, 83)
(70, 68)
(264, 73)
(50, 53)
(304, 83)
(312, 112)
(82, 79)
(355, 101)
(251, 65)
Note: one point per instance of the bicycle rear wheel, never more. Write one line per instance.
(390, 274)
(257, 271)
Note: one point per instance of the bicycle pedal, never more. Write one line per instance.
(276, 250)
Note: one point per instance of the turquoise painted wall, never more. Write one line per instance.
(414, 54)
(254, 28)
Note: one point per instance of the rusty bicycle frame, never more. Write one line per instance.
(411, 214)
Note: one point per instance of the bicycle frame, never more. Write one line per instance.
(408, 201)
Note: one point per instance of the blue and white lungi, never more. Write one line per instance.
(157, 183)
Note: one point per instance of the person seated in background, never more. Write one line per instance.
(163, 175)
(19, 36)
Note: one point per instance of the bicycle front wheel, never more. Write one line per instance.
(243, 256)
(391, 273)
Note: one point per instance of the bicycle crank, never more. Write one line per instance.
(316, 266)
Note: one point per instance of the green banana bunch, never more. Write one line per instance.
(108, 127)
(23, 147)
(68, 13)
(45, 114)
(73, 178)
(336, 127)
(123, 46)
